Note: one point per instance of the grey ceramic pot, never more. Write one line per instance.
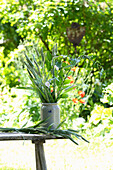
(50, 112)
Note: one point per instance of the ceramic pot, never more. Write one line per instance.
(50, 112)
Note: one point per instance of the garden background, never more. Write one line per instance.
(45, 22)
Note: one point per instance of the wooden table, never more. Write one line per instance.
(36, 139)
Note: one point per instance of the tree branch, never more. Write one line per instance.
(46, 45)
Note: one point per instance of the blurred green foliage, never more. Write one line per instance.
(100, 121)
(48, 21)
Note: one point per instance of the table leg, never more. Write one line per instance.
(40, 156)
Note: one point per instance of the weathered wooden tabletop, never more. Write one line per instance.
(24, 136)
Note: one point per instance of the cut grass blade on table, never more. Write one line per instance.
(38, 129)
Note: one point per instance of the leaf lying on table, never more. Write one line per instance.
(68, 134)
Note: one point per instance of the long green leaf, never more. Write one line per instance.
(38, 90)
(83, 138)
(34, 73)
(73, 133)
(69, 66)
(48, 93)
(60, 88)
(60, 124)
(39, 80)
(42, 55)
(37, 65)
(28, 60)
(38, 124)
(69, 137)
(69, 88)
(37, 83)
(37, 52)
(76, 131)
